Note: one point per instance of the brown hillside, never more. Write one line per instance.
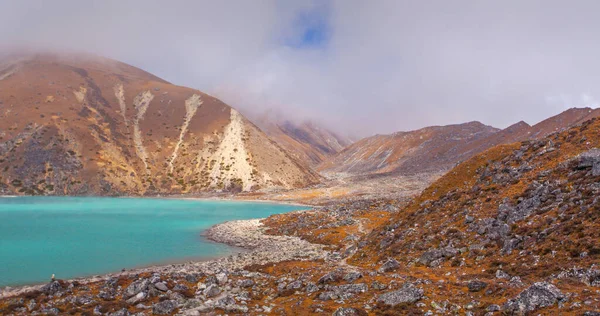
(430, 149)
(89, 125)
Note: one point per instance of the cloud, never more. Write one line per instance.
(359, 66)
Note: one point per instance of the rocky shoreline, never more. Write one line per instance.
(259, 249)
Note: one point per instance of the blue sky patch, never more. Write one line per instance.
(311, 28)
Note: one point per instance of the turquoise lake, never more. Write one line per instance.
(81, 236)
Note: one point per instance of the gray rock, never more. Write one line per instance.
(376, 285)
(327, 296)
(311, 287)
(352, 276)
(390, 265)
(226, 300)
(164, 308)
(246, 283)
(493, 308)
(221, 278)
(31, 305)
(235, 308)
(539, 295)
(137, 298)
(346, 290)
(329, 277)
(590, 159)
(108, 294)
(294, 285)
(121, 312)
(136, 287)
(502, 275)
(52, 288)
(476, 285)
(51, 311)
(430, 256)
(469, 219)
(161, 286)
(348, 311)
(180, 288)
(192, 278)
(407, 294)
(212, 290)
(211, 279)
(97, 310)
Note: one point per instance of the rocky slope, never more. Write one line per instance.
(88, 125)
(429, 149)
(305, 140)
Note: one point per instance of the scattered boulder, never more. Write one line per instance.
(430, 256)
(493, 308)
(137, 298)
(590, 159)
(135, 287)
(212, 290)
(349, 311)
(329, 278)
(164, 308)
(407, 294)
(52, 288)
(352, 276)
(294, 285)
(121, 312)
(311, 287)
(539, 295)
(390, 265)
(180, 288)
(221, 278)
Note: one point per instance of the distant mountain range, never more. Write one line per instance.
(439, 148)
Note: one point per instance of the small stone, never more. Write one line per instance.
(221, 278)
(348, 311)
(137, 298)
(136, 287)
(161, 286)
(246, 283)
(352, 276)
(502, 275)
(311, 287)
(493, 308)
(476, 286)
(212, 290)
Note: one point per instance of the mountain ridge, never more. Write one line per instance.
(103, 127)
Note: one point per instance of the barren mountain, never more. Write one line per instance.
(425, 150)
(439, 148)
(88, 125)
(305, 140)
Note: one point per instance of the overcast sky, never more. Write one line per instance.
(360, 66)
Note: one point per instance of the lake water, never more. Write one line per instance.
(81, 236)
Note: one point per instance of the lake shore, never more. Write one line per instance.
(249, 235)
